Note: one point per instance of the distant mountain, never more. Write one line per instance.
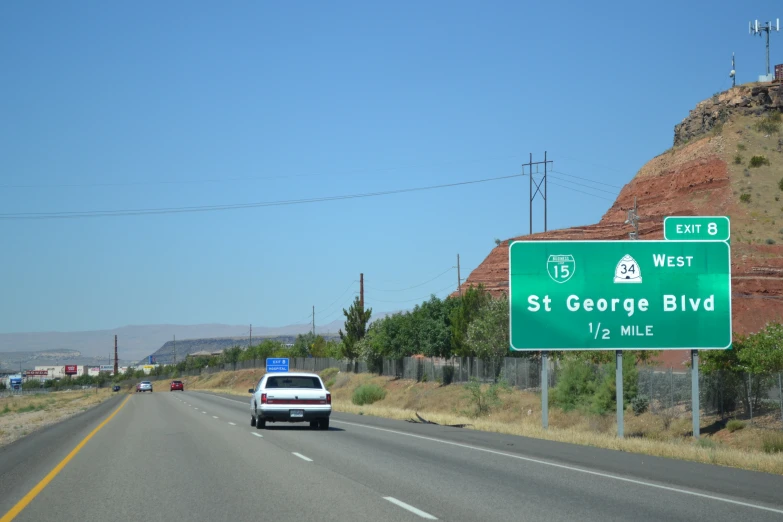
(135, 342)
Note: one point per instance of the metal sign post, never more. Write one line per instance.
(695, 393)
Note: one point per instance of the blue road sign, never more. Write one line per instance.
(276, 365)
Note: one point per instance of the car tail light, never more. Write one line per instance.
(328, 398)
(263, 398)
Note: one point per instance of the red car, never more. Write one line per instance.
(177, 385)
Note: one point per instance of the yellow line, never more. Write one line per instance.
(57, 469)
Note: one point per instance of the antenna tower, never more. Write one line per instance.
(754, 29)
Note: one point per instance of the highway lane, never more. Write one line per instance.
(467, 475)
(194, 456)
(160, 459)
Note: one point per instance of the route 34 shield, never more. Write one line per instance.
(561, 267)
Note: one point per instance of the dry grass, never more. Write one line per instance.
(755, 221)
(21, 415)
(520, 414)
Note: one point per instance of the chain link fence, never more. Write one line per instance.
(724, 395)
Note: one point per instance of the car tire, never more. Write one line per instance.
(314, 424)
(323, 424)
(252, 421)
(260, 423)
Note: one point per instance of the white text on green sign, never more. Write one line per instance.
(615, 295)
(696, 228)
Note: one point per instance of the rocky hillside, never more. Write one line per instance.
(708, 171)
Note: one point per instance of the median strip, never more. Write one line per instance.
(414, 510)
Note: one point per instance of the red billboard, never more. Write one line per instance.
(70, 369)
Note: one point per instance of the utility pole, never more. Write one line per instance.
(633, 220)
(459, 278)
(540, 185)
(756, 30)
(313, 319)
(361, 290)
(250, 342)
(175, 350)
(116, 361)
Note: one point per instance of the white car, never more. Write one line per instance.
(290, 397)
(145, 386)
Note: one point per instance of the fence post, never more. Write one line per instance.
(750, 396)
(695, 393)
(652, 375)
(671, 388)
(780, 397)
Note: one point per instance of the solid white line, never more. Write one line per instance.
(215, 417)
(257, 434)
(416, 511)
(302, 456)
(233, 423)
(570, 468)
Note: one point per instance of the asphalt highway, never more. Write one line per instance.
(194, 456)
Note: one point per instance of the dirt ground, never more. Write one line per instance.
(22, 415)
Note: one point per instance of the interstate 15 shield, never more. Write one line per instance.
(561, 267)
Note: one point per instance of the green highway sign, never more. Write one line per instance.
(696, 228)
(620, 295)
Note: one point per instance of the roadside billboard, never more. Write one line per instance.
(107, 368)
(36, 373)
(93, 371)
(70, 369)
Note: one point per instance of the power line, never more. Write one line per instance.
(414, 286)
(250, 178)
(210, 208)
(414, 299)
(581, 191)
(587, 179)
(613, 192)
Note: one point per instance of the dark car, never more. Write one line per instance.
(116, 387)
(177, 385)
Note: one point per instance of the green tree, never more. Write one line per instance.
(356, 319)
(231, 355)
(469, 306)
(302, 345)
(605, 398)
(488, 333)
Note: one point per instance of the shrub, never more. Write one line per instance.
(780, 184)
(483, 401)
(640, 403)
(368, 394)
(738, 160)
(758, 161)
(706, 443)
(328, 373)
(770, 124)
(734, 425)
(745, 198)
(448, 375)
(576, 385)
(605, 398)
(740, 146)
(772, 443)
(770, 241)
(329, 383)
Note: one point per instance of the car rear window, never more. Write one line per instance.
(177, 382)
(294, 382)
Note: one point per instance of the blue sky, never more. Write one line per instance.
(109, 106)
